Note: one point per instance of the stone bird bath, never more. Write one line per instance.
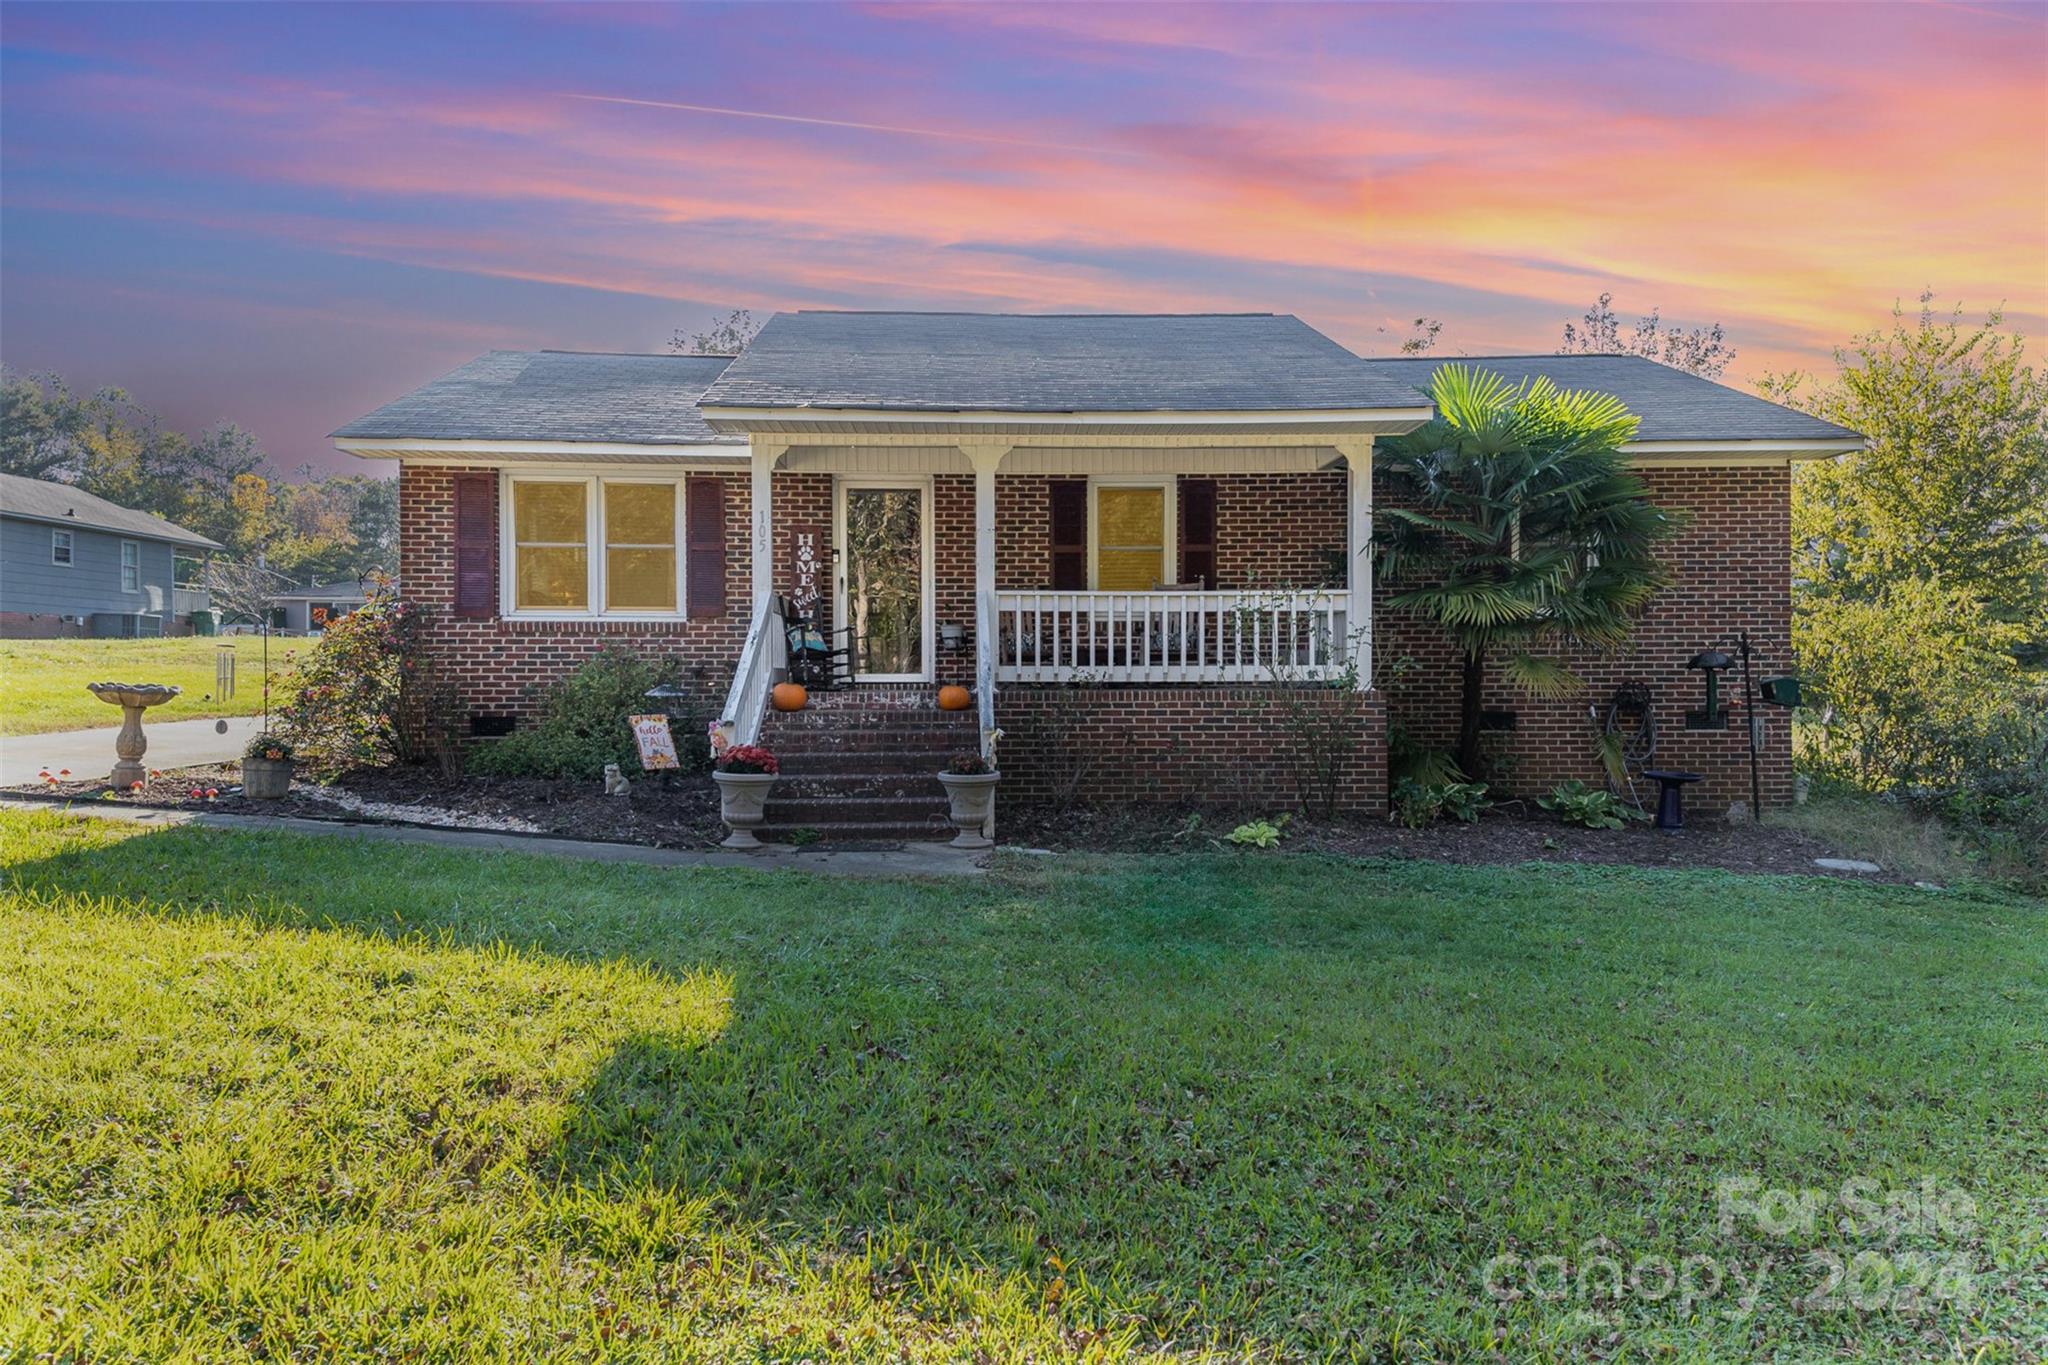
(129, 745)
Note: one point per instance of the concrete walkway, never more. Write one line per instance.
(90, 753)
(911, 860)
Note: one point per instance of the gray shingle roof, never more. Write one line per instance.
(62, 505)
(556, 396)
(1012, 362)
(1673, 405)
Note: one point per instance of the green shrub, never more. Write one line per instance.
(1578, 804)
(582, 723)
(1259, 833)
(1417, 804)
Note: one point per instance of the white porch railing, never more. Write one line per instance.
(1172, 637)
(760, 659)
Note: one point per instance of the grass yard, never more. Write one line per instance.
(269, 1097)
(42, 682)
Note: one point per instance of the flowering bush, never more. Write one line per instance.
(748, 758)
(369, 694)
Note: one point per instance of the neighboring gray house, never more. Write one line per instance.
(75, 564)
(309, 611)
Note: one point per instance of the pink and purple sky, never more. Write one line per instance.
(288, 215)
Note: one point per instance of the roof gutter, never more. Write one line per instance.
(737, 418)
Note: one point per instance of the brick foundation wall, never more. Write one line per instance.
(1732, 571)
(36, 625)
(1205, 746)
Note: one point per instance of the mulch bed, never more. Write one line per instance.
(682, 812)
(1502, 836)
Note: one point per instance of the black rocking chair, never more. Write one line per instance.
(813, 661)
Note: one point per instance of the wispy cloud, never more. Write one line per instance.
(944, 134)
(1787, 171)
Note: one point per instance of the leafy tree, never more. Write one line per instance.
(1516, 517)
(1918, 685)
(1703, 351)
(1953, 487)
(728, 335)
(41, 425)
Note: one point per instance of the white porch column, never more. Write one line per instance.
(762, 502)
(1357, 454)
(985, 458)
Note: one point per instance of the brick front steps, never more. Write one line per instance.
(861, 766)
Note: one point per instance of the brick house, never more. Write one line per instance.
(1135, 538)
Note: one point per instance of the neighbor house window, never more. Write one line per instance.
(131, 566)
(1130, 523)
(595, 546)
(60, 547)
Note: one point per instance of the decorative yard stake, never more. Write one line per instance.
(130, 744)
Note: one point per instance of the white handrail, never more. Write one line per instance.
(985, 668)
(1172, 637)
(747, 702)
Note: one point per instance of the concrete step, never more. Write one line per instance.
(811, 811)
(866, 834)
(916, 785)
(863, 763)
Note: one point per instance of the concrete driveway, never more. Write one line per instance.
(90, 753)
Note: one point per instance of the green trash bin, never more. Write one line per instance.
(203, 623)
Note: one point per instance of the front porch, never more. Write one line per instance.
(1175, 562)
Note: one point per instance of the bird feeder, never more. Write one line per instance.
(1713, 663)
(1780, 692)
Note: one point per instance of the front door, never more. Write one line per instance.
(884, 590)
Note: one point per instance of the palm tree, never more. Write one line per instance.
(1515, 514)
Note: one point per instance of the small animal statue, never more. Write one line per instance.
(614, 783)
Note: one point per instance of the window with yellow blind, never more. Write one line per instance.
(640, 546)
(1130, 537)
(551, 545)
(594, 546)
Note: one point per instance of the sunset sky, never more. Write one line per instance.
(288, 215)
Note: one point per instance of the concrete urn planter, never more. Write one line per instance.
(266, 779)
(742, 803)
(971, 795)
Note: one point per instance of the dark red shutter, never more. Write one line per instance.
(1198, 531)
(1070, 535)
(704, 566)
(476, 544)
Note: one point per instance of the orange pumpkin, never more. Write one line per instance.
(954, 698)
(789, 696)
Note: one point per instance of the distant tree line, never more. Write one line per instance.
(219, 484)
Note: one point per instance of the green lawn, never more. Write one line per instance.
(282, 1098)
(42, 682)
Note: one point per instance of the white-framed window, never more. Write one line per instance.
(1131, 539)
(60, 547)
(593, 545)
(131, 566)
